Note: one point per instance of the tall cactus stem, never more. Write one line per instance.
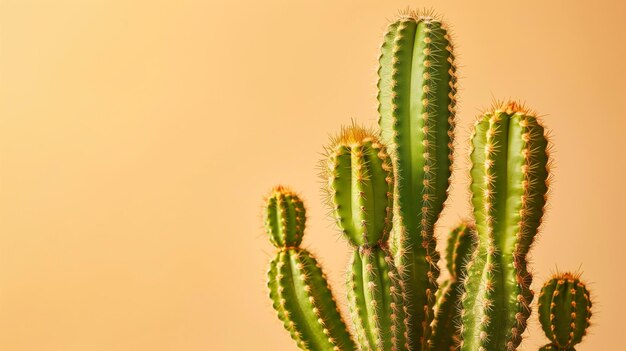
(509, 186)
(417, 106)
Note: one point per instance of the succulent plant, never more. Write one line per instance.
(564, 311)
(386, 190)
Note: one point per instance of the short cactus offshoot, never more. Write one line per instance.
(564, 311)
(298, 287)
(461, 244)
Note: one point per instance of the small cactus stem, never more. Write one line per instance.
(509, 186)
(462, 242)
(359, 186)
(445, 326)
(565, 310)
(376, 300)
(417, 106)
(297, 286)
(285, 216)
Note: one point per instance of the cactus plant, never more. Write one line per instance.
(416, 95)
(298, 287)
(564, 311)
(461, 244)
(386, 191)
(509, 185)
(359, 179)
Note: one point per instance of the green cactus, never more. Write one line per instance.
(509, 184)
(359, 179)
(461, 244)
(298, 287)
(386, 191)
(564, 311)
(416, 95)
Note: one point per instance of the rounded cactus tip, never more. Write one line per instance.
(284, 216)
(462, 242)
(358, 183)
(565, 310)
(420, 14)
(510, 107)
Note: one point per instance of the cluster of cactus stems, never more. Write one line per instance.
(386, 190)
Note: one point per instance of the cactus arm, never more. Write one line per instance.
(565, 310)
(509, 175)
(332, 322)
(301, 295)
(284, 219)
(416, 108)
(298, 288)
(360, 173)
(445, 326)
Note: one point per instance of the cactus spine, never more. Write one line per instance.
(461, 244)
(564, 311)
(298, 287)
(359, 179)
(509, 184)
(417, 86)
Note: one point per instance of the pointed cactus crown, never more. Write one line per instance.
(565, 310)
(285, 217)
(359, 185)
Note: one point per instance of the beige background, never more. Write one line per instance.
(137, 139)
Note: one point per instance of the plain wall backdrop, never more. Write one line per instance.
(137, 139)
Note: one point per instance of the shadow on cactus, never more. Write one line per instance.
(386, 189)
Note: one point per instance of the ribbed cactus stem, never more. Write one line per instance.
(445, 327)
(359, 178)
(509, 184)
(417, 86)
(565, 310)
(298, 288)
